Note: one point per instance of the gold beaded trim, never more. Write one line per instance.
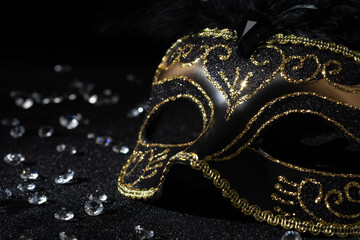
(281, 39)
(329, 229)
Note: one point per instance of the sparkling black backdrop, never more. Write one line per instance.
(103, 46)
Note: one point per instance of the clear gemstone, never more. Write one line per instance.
(23, 237)
(70, 121)
(46, 131)
(144, 233)
(17, 131)
(93, 99)
(291, 235)
(58, 99)
(64, 215)
(72, 96)
(24, 103)
(5, 193)
(36, 97)
(105, 141)
(66, 148)
(93, 207)
(29, 174)
(98, 195)
(63, 236)
(14, 158)
(37, 198)
(46, 100)
(135, 112)
(10, 122)
(26, 186)
(90, 135)
(62, 68)
(124, 150)
(65, 177)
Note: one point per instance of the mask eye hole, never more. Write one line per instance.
(310, 141)
(178, 121)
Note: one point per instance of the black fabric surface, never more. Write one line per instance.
(105, 61)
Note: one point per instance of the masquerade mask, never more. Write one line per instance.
(268, 129)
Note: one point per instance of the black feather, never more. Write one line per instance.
(334, 20)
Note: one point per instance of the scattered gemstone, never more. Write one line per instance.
(63, 236)
(93, 99)
(29, 174)
(62, 68)
(105, 141)
(90, 135)
(14, 158)
(98, 195)
(72, 96)
(36, 97)
(46, 131)
(17, 131)
(26, 186)
(118, 148)
(66, 148)
(24, 103)
(144, 233)
(23, 237)
(64, 215)
(10, 122)
(37, 199)
(58, 99)
(70, 121)
(291, 235)
(46, 100)
(5, 193)
(130, 77)
(65, 177)
(133, 113)
(94, 207)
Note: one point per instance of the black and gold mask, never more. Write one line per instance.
(270, 128)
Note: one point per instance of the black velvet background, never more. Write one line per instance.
(35, 40)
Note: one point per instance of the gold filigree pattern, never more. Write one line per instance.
(330, 229)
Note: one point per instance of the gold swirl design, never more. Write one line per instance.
(347, 193)
(300, 66)
(329, 229)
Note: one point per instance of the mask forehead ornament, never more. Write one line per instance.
(238, 99)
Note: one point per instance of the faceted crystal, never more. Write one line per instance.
(10, 122)
(65, 177)
(70, 121)
(90, 135)
(64, 215)
(118, 148)
(63, 236)
(133, 113)
(5, 193)
(291, 235)
(62, 68)
(105, 141)
(93, 207)
(46, 131)
(144, 233)
(72, 96)
(46, 100)
(93, 99)
(17, 131)
(37, 199)
(66, 148)
(24, 103)
(23, 237)
(58, 99)
(14, 158)
(26, 186)
(28, 174)
(98, 195)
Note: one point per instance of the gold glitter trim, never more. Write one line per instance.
(268, 104)
(329, 229)
(281, 39)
